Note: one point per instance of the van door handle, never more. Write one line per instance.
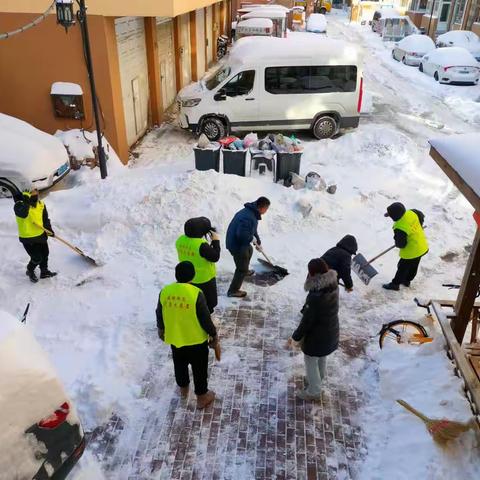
(249, 99)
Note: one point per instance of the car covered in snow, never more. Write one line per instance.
(29, 157)
(451, 65)
(411, 49)
(40, 434)
(316, 23)
(461, 38)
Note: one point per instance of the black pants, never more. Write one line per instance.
(406, 271)
(242, 262)
(38, 253)
(209, 289)
(197, 357)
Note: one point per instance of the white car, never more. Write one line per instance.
(29, 157)
(40, 434)
(411, 49)
(316, 23)
(461, 38)
(451, 65)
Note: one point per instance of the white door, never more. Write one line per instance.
(185, 57)
(132, 56)
(166, 60)
(201, 61)
(209, 36)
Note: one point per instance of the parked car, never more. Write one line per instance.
(40, 434)
(451, 65)
(282, 82)
(461, 38)
(411, 49)
(30, 157)
(316, 23)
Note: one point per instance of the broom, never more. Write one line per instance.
(442, 430)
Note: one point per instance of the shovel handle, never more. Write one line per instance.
(60, 239)
(381, 254)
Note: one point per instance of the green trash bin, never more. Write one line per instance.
(207, 158)
(234, 162)
(286, 163)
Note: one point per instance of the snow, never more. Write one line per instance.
(27, 153)
(255, 23)
(316, 22)
(265, 13)
(452, 56)
(458, 38)
(390, 13)
(66, 88)
(417, 43)
(461, 153)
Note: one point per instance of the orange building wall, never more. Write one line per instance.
(31, 61)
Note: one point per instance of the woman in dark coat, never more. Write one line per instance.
(339, 258)
(318, 331)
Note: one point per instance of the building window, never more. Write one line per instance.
(67, 99)
(474, 16)
(459, 9)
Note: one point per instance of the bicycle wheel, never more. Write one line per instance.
(402, 331)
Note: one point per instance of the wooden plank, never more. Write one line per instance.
(458, 181)
(475, 361)
(464, 366)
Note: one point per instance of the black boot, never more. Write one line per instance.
(391, 286)
(31, 275)
(47, 274)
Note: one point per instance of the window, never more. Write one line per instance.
(217, 78)
(241, 84)
(68, 106)
(311, 79)
(459, 9)
(444, 12)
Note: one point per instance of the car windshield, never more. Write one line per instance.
(218, 77)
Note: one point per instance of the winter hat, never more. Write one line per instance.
(395, 211)
(317, 266)
(184, 272)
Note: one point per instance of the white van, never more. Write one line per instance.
(271, 83)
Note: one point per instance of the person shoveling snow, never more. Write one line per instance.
(339, 258)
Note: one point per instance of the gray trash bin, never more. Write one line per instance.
(207, 158)
(234, 162)
(286, 163)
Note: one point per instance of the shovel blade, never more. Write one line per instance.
(363, 269)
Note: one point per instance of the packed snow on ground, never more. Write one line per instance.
(98, 324)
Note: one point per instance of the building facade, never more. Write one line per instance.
(143, 53)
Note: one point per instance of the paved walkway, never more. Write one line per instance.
(256, 429)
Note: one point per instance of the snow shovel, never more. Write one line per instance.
(363, 268)
(268, 263)
(73, 247)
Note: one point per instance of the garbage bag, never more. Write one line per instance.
(203, 141)
(314, 181)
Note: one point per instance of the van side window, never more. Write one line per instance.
(241, 84)
(311, 79)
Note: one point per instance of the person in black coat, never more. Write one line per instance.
(318, 331)
(339, 258)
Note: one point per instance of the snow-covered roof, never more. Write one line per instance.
(458, 37)
(453, 56)
(255, 23)
(461, 153)
(66, 88)
(265, 13)
(389, 12)
(303, 46)
(417, 43)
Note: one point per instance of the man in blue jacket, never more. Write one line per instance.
(240, 233)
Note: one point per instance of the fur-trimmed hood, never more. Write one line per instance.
(321, 281)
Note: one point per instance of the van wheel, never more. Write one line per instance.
(213, 128)
(324, 127)
(420, 67)
(435, 76)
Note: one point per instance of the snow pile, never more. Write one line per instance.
(316, 23)
(262, 23)
(274, 13)
(27, 151)
(66, 88)
(417, 43)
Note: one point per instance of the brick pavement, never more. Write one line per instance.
(256, 429)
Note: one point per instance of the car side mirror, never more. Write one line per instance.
(220, 95)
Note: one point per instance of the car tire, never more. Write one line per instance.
(393, 54)
(213, 128)
(324, 127)
(420, 67)
(435, 76)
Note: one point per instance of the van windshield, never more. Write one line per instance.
(218, 77)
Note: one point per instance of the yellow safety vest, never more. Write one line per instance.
(188, 249)
(417, 244)
(182, 327)
(27, 227)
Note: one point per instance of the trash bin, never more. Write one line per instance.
(207, 158)
(286, 163)
(234, 162)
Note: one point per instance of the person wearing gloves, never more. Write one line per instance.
(241, 232)
(32, 217)
(184, 322)
(339, 258)
(410, 239)
(318, 331)
(193, 247)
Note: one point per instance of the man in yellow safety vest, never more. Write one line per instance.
(32, 218)
(193, 247)
(184, 322)
(410, 238)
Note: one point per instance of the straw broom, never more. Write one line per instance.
(442, 430)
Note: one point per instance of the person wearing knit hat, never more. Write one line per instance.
(411, 241)
(184, 322)
(318, 331)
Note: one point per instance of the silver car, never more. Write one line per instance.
(411, 49)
